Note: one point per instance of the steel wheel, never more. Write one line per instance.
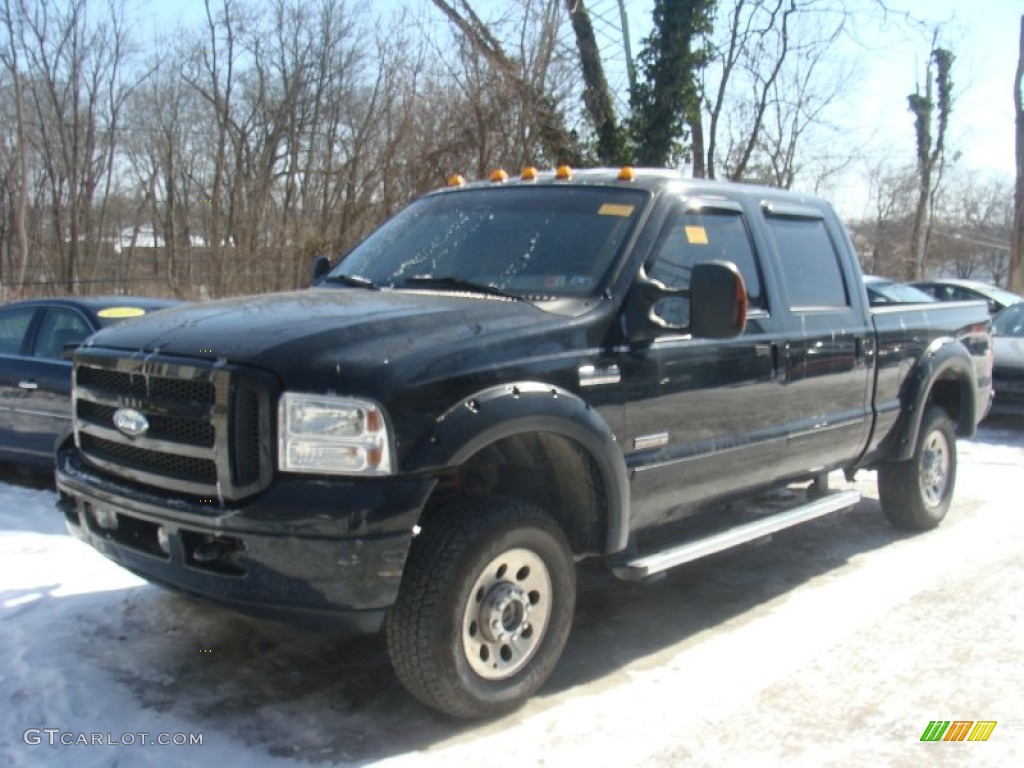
(507, 614)
(935, 463)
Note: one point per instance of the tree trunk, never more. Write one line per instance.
(1016, 276)
(696, 124)
(929, 156)
(596, 95)
(554, 136)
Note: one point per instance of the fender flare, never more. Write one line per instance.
(530, 407)
(945, 357)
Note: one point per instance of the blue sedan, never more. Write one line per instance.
(37, 338)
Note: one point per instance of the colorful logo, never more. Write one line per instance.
(958, 730)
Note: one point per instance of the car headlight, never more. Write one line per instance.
(332, 435)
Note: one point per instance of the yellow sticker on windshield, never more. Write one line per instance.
(615, 209)
(696, 235)
(121, 312)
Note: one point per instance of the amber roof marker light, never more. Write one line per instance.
(626, 173)
(498, 176)
(456, 180)
(564, 173)
(529, 173)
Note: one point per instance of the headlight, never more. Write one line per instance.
(332, 435)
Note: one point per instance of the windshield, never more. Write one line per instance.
(529, 242)
(1002, 296)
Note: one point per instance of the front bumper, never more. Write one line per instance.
(309, 550)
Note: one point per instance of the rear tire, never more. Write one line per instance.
(916, 494)
(485, 607)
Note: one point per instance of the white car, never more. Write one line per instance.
(956, 289)
(1008, 371)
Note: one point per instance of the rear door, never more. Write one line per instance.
(827, 339)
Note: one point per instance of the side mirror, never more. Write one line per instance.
(321, 266)
(718, 304)
(718, 300)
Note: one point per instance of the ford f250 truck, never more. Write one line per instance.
(505, 378)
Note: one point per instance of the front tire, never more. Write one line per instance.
(485, 607)
(916, 494)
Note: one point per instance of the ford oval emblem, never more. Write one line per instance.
(131, 422)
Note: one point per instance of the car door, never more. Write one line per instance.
(824, 348)
(704, 417)
(43, 412)
(17, 323)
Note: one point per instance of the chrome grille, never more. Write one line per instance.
(184, 430)
(209, 429)
(168, 465)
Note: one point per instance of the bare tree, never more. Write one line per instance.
(882, 239)
(775, 76)
(165, 149)
(17, 185)
(275, 130)
(971, 224)
(798, 103)
(78, 90)
(557, 142)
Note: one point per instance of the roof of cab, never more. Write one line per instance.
(653, 180)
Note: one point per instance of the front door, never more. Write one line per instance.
(43, 412)
(704, 417)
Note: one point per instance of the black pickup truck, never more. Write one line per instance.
(507, 377)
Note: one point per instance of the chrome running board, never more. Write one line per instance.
(656, 562)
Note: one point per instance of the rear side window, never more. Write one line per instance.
(13, 326)
(809, 261)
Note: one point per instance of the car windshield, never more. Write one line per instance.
(529, 242)
(890, 292)
(1004, 297)
(1010, 322)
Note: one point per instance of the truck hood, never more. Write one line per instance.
(300, 335)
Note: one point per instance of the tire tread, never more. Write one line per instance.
(898, 481)
(432, 567)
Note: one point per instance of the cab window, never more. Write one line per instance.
(810, 264)
(691, 237)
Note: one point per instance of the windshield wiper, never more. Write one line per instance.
(355, 281)
(460, 283)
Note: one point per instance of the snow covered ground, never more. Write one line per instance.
(837, 641)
